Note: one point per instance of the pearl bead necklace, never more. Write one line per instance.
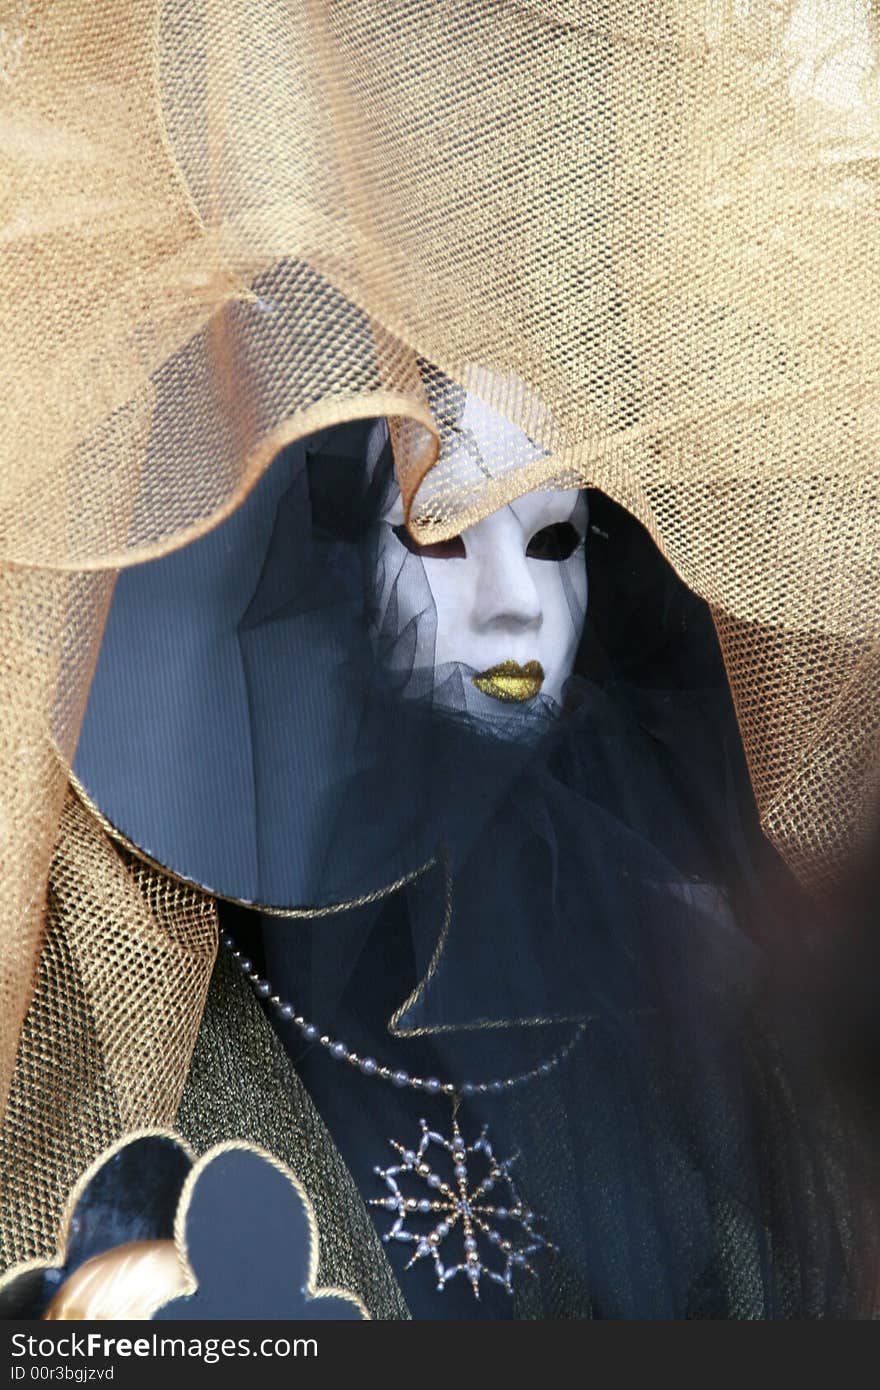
(368, 1066)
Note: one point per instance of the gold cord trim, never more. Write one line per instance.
(300, 913)
(433, 965)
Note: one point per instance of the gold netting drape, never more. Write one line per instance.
(223, 225)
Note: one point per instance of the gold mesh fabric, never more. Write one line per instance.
(107, 1041)
(646, 233)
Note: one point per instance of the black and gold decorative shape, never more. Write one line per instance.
(151, 1234)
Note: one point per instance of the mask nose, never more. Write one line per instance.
(505, 596)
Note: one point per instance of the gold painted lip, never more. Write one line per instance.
(511, 682)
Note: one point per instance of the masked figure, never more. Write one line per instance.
(504, 856)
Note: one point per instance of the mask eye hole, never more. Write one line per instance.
(451, 549)
(557, 542)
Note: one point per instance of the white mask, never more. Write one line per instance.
(495, 615)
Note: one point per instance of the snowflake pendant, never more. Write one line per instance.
(464, 1203)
